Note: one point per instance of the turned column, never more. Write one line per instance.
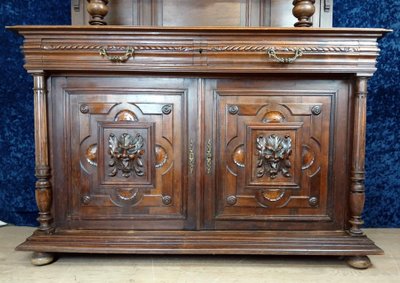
(357, 188)
(42, 170)
(303, 10)
(97, 10)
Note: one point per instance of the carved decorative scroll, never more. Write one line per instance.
(273, 156)
(126, 154)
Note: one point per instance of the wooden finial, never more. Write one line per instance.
(303, 10)
(98, 10)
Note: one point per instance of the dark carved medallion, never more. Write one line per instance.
(231, 200)
(313, 201)
(167, 200)
(273, 156)
(84, 108)
(316, 110)
(85, 199)
(166, 109)
(126, 155)
(233, 109)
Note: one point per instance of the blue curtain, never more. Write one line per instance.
(17, 203)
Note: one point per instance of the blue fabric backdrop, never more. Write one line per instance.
(17, 204)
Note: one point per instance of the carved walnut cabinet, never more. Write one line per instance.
(200, 140)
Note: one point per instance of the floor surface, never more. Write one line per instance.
(16, 266)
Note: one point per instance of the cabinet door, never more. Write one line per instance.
(276, 153)
(125, 142)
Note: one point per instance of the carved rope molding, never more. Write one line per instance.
(224, 48)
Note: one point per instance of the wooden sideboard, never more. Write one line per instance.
(200, 140)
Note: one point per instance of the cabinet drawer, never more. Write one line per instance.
(210, 50)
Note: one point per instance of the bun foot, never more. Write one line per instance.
(40, 259)
(359, 262)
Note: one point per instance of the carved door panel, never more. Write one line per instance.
(273, 155)
(128, 153)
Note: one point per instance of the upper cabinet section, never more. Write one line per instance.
(235, 13)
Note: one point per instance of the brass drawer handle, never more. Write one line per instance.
(117, 59)
(272, 54)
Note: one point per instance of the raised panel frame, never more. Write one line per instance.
(322, 212)
(171, 208)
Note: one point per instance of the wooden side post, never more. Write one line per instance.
(357, 189)
(43, 190)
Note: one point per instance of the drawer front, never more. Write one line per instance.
(126, 153)
(276, 151)
(200, 50)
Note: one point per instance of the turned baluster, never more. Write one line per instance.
(43, 190)
(357, 188)
(303, 10)
(97, 9)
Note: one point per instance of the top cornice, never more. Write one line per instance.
(375, 32)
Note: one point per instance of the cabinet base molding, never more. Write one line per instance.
(202, 242)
